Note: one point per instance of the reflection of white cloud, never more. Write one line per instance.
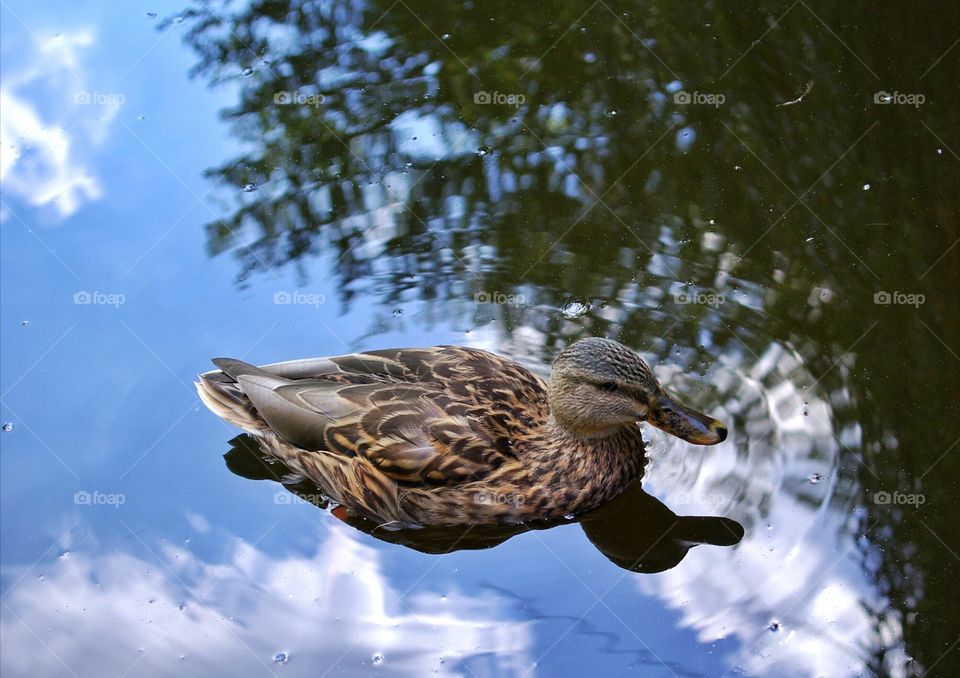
(197, 523)
(37, 164)
(102, 614)
(792, 567)
(809, 586)
(50, 118)
(426, 138)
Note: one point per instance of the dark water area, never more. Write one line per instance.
(760, 200)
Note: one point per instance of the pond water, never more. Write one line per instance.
(761, 201)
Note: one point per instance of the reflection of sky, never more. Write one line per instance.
(794, 591)
(109, 197)
(172, 613)
(41, 162)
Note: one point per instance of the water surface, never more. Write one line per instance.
(762, 201)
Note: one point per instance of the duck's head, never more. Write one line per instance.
(599, 385)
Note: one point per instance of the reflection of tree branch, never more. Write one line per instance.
(596, 101)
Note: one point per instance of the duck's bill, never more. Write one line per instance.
(677, 419)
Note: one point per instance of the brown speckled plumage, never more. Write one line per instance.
(434, 436)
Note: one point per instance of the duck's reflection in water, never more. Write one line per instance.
(635, 531)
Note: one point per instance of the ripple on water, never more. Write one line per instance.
(575, 309)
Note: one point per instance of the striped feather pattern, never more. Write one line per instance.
(430, 436)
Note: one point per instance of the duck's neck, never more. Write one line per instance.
(591, 471)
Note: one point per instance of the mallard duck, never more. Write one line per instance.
(451, 435)
(634, 530)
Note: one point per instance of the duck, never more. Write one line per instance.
(453, 435)
(635, 530)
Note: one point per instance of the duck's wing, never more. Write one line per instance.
(507, 399)
(407, 365)
(414, 433)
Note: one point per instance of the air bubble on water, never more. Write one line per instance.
(774, 626)
(445, 36)
(815, 478)
(7, 426)
(574, 309)
(810, 239)
(737, 168)
(569, 516)
(65, 554)
(939, 151)
(483, 150)
(377, 658)
(249, 188)
(247, 72)
(151, 15)
(397, 312)
(866, 187)
(181, 606)
(24, 323)
(611, 113)
(281, 658)
(685, 138)
(712, 222)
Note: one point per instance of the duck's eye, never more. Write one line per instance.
(608, 386)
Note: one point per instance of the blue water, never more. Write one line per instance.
(129, 548)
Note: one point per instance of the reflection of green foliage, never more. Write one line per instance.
(598, 120)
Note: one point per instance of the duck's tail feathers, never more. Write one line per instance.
(223, 395)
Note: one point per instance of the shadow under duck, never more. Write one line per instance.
(449, 435)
